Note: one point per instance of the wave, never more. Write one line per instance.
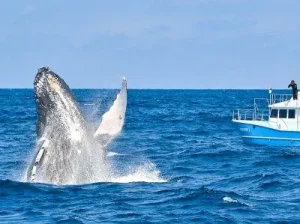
(228, 199)
(204, 194)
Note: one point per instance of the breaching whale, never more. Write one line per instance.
(68, 152)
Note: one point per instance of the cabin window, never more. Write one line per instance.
(291, 113)
(282, 113)
(274, 113)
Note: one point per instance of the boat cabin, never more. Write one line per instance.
(285, 115)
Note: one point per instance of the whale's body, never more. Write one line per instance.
(68, 152)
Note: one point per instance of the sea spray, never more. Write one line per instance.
(146, 172)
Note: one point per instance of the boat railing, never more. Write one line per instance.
(278, 98)
(250, 114)
(261, 103)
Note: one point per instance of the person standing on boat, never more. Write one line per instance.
(294, 88)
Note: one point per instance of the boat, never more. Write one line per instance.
(277, 125)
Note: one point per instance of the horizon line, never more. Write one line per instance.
(7, 88)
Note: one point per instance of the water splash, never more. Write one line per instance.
(143, 173)
(111, 154)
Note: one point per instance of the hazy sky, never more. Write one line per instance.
(154, 43)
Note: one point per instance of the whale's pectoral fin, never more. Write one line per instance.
(32, 171)
(113, 120)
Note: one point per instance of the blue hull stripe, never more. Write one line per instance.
(256, 134)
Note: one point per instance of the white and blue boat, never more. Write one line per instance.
(277, 125)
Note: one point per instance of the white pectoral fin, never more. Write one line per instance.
(113, 120)
(38, 159)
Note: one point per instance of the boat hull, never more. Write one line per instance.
(256, 134)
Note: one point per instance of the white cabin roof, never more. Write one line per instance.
(295, 104)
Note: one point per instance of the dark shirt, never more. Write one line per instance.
(294, 87)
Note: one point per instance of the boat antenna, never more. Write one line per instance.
(270, 92)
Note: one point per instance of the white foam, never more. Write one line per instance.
(229, 199)
(144, 173)
(111, 154)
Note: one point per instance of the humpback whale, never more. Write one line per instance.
(68, 151)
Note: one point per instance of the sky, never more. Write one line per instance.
(169, 44)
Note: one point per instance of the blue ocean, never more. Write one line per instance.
(178, 159)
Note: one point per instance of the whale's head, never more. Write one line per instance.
(49, 88)
(54, 99)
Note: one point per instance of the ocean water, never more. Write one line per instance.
(178, 159)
